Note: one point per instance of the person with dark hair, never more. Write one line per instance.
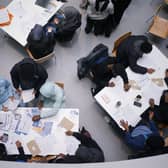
(137, 137)
(21, 157)
(105, 71)
(119, 8)
(130, 50)
(87, 152)
(27, 74)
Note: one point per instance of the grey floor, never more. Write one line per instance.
(136, 19)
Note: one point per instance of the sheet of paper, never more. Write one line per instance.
(66, 123)
(28, 95)
(33, 148)
(4, 17)
(12, 104)
(47, 128)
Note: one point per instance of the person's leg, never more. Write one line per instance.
(108, 26)
(89, 25)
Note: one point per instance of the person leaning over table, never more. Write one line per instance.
(6, 92)
(27, 74)
(130, 50)
(51, 95)
(88, 151)
(21, 157)
(137, 138)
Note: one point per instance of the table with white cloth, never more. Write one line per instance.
(147, 86)
(49, 133)
(25, 15)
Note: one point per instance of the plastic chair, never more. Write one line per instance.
(42, 59)
(118, 41)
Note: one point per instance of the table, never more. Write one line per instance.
(108, 97)
(25, 15)
(47, 133)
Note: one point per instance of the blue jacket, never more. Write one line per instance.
(52, 96)
(5, 91)
(138, 142)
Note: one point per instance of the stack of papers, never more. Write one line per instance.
(28, 95)
(11, 104)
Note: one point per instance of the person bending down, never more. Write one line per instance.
(103, 72)
(130, 50)
(51, 95)
(87, 152)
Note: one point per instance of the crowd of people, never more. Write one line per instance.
(27, 74)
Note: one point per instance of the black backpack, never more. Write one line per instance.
(96, 56)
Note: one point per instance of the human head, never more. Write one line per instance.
(146, 47)
(48, 89)
(166, 97)
(3, 151)
(155, 142)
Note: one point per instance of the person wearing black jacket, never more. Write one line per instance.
(27, 74)
(103, 72)
(87, 152)
(21, 157)
(130, 50)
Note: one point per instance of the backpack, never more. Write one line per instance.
(96, 56)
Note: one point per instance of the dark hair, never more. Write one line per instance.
(3, 151)
(146, 47)
(155, 142)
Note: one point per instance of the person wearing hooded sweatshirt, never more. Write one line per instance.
(27, 74)
(52, 96)
(6, 92)
(87, 152)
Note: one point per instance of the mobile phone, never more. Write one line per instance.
(138, 104)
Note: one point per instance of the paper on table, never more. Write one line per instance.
(66, 123)
(4, 16)
(28, 95)
(47, 128)
(33, 148)
(12, 104)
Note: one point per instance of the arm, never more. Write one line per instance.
(9, 88)
(15, 77)
(153, 127)
(105, 5)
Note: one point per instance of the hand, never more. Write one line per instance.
(69, 133)
(1, 137)
(124, 124)
(127, 87)
(19, 91)
(5, 109)
(111, 84)
(36, 118)
(151, 115)
(18, 144)
(40, 105)
(150, 70)
(56, 21)
(61, 155)
(34, 91)
(49, 29)
(151, 103)
(12, 98)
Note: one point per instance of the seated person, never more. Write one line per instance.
(103, 72)
(6, 92)
(51, 95)
(27, 74)
(138, 136)
(68, 25)
(21, 157)
(130, 50)
(87, 152)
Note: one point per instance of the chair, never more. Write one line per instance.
(42, 59)
(159, 26)
(118, 41)
(60, 84)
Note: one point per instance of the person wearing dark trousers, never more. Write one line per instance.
(143, 136)
(27, 74)
(119, 8)
(21, 157)
(130, 50)
(103, 72)
(87, 152)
